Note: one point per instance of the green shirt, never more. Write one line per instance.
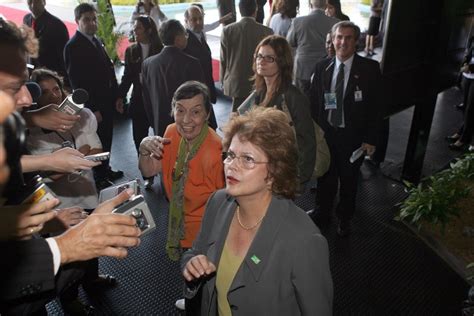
(228, 266)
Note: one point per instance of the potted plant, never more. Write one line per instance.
(435, 200)
(105, 28)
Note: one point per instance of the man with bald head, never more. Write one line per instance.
(308, 35)
(198, 48)
(51, 33)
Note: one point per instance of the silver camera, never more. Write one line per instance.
(138, 208)
(110, 192)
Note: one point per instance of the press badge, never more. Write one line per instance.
(330, 101)
(358, 95)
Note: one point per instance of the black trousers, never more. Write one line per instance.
(341, 142)
(382, 141)
(140, 123)
(105, 131)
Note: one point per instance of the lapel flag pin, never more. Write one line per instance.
(255, 259)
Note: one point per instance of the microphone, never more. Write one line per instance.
(74, 103)
(80, 96)
(34, 89)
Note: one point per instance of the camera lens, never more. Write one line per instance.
(137, 213)
(141, 223)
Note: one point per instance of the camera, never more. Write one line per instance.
(108, 193)
(98, 157)
(138, 208)
(33, 191)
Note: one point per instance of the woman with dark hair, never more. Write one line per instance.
(189, 158)
(247, 256)
(147, 44)
(149, 8)
(333, 9)
(285, 11)
(75, 189)
(273, 68)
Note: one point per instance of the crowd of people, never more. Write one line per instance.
(232, 220)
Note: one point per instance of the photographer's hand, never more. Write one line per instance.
(50, 118)
(22, 221)
(64, 160)
(65, 218)
(101, 234)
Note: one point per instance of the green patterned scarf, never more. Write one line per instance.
(179, 176)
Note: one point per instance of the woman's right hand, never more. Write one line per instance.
(153, 146)
(198, 267)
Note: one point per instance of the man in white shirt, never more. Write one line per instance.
(345, 99)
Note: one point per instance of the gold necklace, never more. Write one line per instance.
(246, 227)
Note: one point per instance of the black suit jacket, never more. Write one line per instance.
(27, 279)
(361, 117)
(92, 71)
(52, 35)
(162, 74)
(202, 52)
(132, 75)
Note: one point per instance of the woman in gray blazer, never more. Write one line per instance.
(257, 253)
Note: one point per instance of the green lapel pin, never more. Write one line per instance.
(255, 259)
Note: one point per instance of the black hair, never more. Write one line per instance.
(149, 25)
(247, 7)
(169, 30)
(189, 90)
(42, 74)
(83, 8)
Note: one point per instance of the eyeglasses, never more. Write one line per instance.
(266, 58)
(245, 161)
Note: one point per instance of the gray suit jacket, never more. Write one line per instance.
(162, 74)
(308, 35)
(292, 274)
(238, 43)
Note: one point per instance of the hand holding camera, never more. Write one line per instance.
(22, 221)
(50, 118)
(69, 160)
(65, 218)
(101, 234)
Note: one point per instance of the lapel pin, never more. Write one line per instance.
(255, 259)
(356, 76)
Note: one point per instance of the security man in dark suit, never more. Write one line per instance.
(162, 74)
(198, 48)
(345, 93)
(51, 33)
(90, 68)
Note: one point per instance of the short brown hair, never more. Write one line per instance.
(268, 129)
(288, 8)
(284, 60)
(16, 43)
